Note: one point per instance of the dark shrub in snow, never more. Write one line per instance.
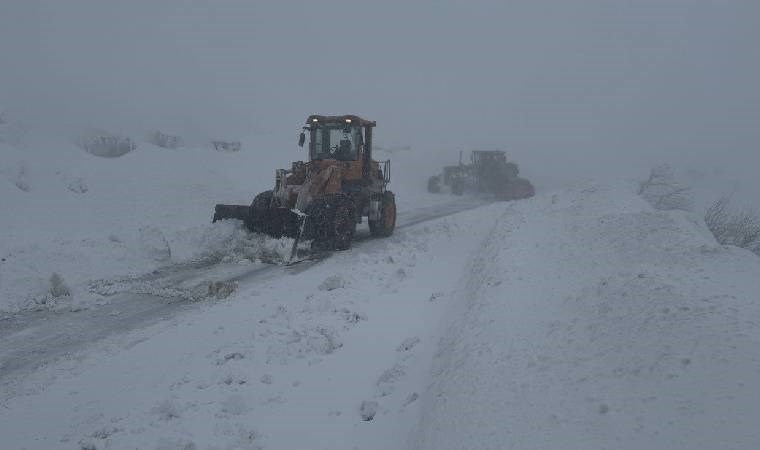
(57, 287)
(108, 146)
(741, 229)
(227, 146)
(663, 192)
(164, 140)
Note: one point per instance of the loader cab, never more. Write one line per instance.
(341, 138)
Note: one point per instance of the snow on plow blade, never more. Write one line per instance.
(275, 222)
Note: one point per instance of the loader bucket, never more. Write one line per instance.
(276, 222)
(241, 212)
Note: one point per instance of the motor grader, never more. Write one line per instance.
(488, 172)
(323, 200)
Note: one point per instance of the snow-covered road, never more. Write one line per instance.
(32, 339)
(296, 357)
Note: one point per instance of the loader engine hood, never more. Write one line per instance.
(297, 189)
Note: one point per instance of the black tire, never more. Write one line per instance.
(457, 186)
(434, 185)
(331, 222)
(261, 219)
(387, 223)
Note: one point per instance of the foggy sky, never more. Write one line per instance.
(554, 80)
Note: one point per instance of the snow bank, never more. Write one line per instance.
(86, 218)
(592, 321)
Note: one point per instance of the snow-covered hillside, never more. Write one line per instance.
(86, 217)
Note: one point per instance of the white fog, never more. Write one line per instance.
(587, 311)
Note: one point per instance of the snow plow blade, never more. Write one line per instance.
(241, 212)
(275, 222)
(516, 189)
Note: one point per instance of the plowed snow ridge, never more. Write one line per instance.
(591, 321)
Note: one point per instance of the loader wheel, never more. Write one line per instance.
(262, 220)
(332, 222)
(387, 223)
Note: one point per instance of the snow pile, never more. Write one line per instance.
(119, 263)
(88, 218)
(593, 321)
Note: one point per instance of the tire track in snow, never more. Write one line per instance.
(34, 339)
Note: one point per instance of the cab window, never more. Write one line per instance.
(341, 143)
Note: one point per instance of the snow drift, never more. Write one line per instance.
(593, 321)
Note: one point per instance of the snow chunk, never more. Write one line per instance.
(21, 179)
(77, 185)
(386, 382)
(408, 344)
(221, 289)
(153, 243)
(319, 340)
(352, 316)
(368, 409)
(167, 410)
(175, 444)
(411, 398)
(234, 405)
(332, 282)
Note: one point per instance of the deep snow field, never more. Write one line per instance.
(581, 318)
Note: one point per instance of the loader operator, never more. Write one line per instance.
(340, 144)
(345, 149)
(344, 152)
